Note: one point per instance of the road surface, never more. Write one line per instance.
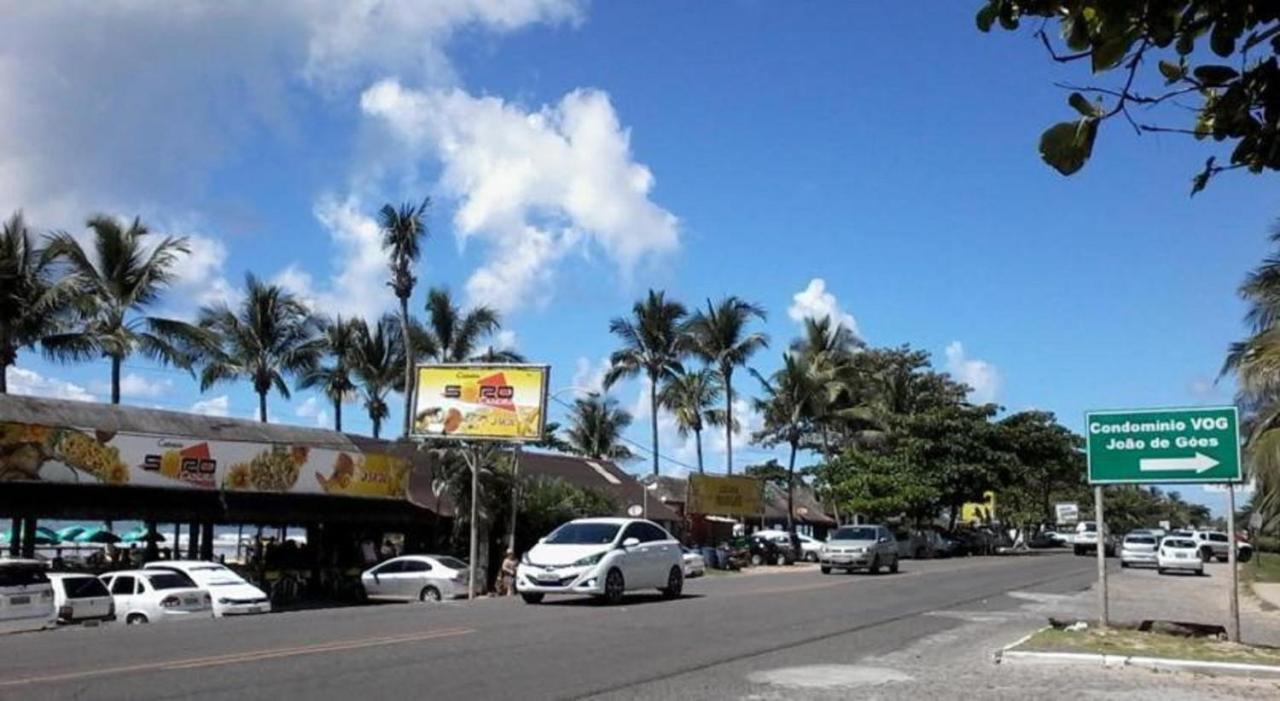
(705, 644)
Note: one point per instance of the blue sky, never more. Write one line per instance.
(578, 153)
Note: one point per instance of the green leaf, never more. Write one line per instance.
(1172, 71)
(1186, 43)
(1110, 52)
(1066, 146)
(1222, 40)
(1202, 178)
(1083, 106)
(1215, 75)
(987, 16)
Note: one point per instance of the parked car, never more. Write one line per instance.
(809, 547)
(918, 544)
(1087, 539)
(1043, 540)
(1138, 548)
(26, 597)
(859, 547)
(603, 557)
(81, 598)
(232, 595)
(758, 550)
(1179, 554)
(1215, 544)
(426, 578)
(149, 596)
(694, 564)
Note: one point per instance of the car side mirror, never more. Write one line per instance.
(883, 539)
(630, 542)
(542, 540)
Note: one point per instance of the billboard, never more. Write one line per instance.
(725, 496)
(481, 402)
(979, 511)
(39, 453)
(1067, 513)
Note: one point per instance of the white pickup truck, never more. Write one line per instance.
(1215, 544)
(1086, 540)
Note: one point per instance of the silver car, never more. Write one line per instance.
(416, 578)
(859, 547)
(1138, 548)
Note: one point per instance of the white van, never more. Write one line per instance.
(26, 597)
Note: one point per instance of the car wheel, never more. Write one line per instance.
(1123, 565)
(826, 570)
(614, 587)
(780, 560)
(675, 584)
(757, 559)
(1244, 555)
(1159, 570)
(1222, 559)
(1201, 573)
(134, 619)
(811, 557)
(875, 565)
(532, 597)
(429, 595)
(893, 567)
(1079, 550)
(1206, 554)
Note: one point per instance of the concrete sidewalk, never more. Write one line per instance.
(1268, 592)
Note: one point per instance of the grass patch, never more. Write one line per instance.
(1133, 643)
(1264, 567)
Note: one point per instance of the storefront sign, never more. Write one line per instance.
(481, 402)
(725, 496)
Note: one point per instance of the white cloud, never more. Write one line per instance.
(214, 406)
(134, 385)
(32, 384)
(531, 184)
(589, 377)
(505, 340)
(982, 377)
(200, 278)
(1202, 389)
(311, 408)
(815, 302)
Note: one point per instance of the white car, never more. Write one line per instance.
(1138, 548)
(26, 597)
(695, 565)
(810, 548)
(81, 598)
(1216, 544)
(425, 578)
(148, 596)
(603, 557)
(1178, 554)
(232, 595)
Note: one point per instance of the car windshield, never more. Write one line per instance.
(584, 534)
(854, 534)
(21, 575)
(214, 575)
(1140, 540)
(452, 563)
(84, 587)
(170, 580)
(1178, 543)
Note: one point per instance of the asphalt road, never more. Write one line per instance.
(645, 648)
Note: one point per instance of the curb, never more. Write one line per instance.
(1232, 669)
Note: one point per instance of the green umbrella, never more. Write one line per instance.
(44, 536)
(97, 535)
(139, 535)
(69, 533)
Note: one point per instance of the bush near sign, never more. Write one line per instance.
(1155, 446)
(725, 496)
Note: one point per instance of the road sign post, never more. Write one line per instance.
(1104, 615)
(1233, 625)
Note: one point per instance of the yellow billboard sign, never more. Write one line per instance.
(979, 512)
(725, 496)
(481, 402)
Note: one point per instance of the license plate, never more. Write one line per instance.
(191, 601)
(16, 600)
(255, 609)
(1180, 556)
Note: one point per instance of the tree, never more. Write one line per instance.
(689, 396)
(787, 410)
(596, 425)
(828, 350)
(551, 439)
(720, 337)
(402, 231)
(1238, 103)
(881, 486)
(33, 297)
(270, 335)
(378, 363)
(770, 472)
(452, 335)
(1048, 465)
(125, 275)
(652, 345)
(338, 342)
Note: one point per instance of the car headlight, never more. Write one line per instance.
(589, 560)
(525, 558)
(224, 601)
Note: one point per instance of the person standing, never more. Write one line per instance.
(508, 583)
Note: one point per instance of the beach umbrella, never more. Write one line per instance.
(69, 533)
(44, 536)
(97, 535)
(139, 535)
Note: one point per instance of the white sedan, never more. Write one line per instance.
(425, 578)
(1178, 554)
(147, 596)
(603, 557)
(232, 595)
(695, 565)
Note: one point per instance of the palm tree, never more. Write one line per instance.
(653, 344)
(689, 396)
(338, 340)
(402, 230)
(33, 298)
(596, 424)
(720, 337)
(271, 335)
(125, 275)
(787, 409)
(827, 348)
(452, 335)
(378, 363)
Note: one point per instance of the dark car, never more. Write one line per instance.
(759, 550)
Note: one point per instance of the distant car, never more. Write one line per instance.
(150, 596)
(602, 557)
(1044, 539)
(694, 564)
(81, 598)
(26, 597)
(859, 547)
(1086, 540)
(1138, 548)
(424, 578)
(1215, 544)
(1179, 554)
(809, 547)
(232, 595)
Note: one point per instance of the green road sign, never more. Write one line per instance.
(1163, 445)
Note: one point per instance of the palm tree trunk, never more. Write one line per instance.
(408, 365)
(262, 407)
(337, 415)
(697, 442)
(115, 379)
(728, 417)
(791, 491)
(653, 419)
(4, 379)
(377, 427)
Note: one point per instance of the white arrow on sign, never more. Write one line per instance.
(1197, 464)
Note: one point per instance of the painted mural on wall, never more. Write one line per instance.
(68, 455)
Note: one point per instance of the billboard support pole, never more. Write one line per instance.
(1103, 613)
(515, 494)
(1233, 624)
(472, 455)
